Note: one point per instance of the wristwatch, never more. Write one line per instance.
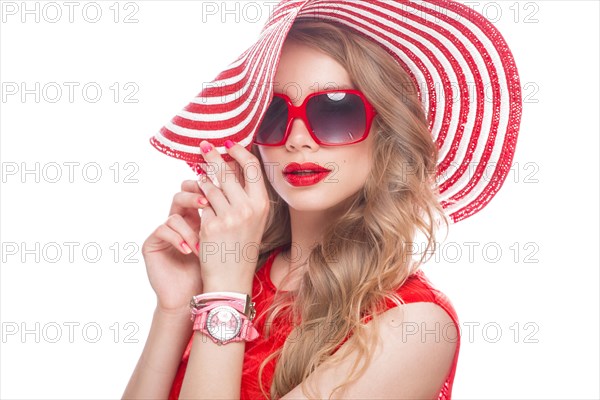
(224, 317)
(223, 323)
(240, 301)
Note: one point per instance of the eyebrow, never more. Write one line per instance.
(344, 86)
(328, 87)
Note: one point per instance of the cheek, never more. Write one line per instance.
(356, 164)
(356, 174)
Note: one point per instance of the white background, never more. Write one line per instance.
(540, 304)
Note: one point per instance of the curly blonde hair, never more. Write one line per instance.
(364, 256)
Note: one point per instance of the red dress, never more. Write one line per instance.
(417, 288)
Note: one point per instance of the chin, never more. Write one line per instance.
(307, 207)
(306, 203)
(311, 201)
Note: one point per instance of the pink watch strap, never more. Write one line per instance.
(209, 306)
(239, 301)
(247, 332)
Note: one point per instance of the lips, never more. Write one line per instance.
(295, 168)
(305, 174)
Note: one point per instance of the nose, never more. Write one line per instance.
(300, 137)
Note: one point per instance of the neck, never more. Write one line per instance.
(307, 227)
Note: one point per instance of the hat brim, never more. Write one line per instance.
(460, 63)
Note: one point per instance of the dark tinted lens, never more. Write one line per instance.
(272, 128)
(337, 117)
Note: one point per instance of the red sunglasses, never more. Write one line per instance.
(333, 118)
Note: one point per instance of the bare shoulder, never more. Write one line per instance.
(414, 357)
(423, 328)
(425, 321)
(419, 341)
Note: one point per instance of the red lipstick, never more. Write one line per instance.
(305, 174)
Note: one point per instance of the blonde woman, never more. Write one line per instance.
(300, 267)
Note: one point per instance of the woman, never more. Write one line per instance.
(342, 308)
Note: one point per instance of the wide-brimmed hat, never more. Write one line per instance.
(461, 66)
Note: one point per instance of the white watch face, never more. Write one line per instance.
(223, 323)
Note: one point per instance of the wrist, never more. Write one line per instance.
(238, 284)
(172, 314)
(244, 288)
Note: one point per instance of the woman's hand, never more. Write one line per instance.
(234, 222)
(171, 255)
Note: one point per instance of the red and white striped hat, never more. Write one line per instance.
(462, 67)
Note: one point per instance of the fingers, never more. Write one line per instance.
(252, 172)
(190, 198)
(190, 186)
(226, 178)
(185, 200)
(179, 234)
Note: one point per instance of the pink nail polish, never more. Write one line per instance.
(229, 144)
(205, 147)
(186, 248)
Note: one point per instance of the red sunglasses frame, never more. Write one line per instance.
(300, 112)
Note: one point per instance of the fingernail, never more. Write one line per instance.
(186, 248)
(198, 246)
(205, 147)
(202, 201)
(229, 144)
